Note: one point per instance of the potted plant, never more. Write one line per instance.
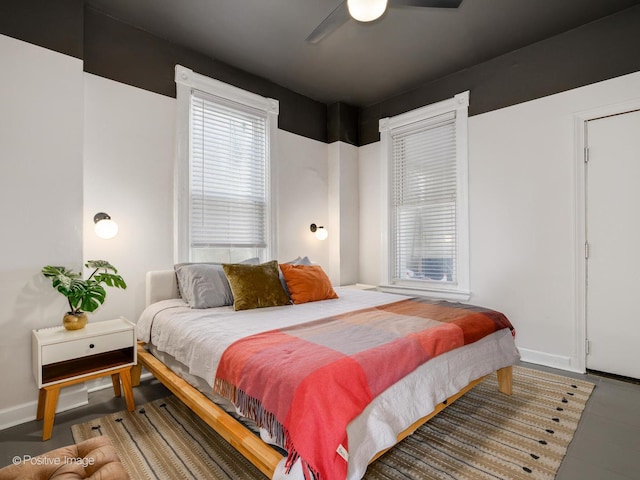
(83, 295)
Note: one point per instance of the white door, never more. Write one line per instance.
(613, 236)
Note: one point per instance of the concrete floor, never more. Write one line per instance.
(606, 445)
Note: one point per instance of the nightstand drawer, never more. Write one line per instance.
(59, 352)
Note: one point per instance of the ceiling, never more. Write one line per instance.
(359, 64)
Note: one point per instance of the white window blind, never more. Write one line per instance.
(228, 174)
(225, 143)
(423, 214)
(426, 238)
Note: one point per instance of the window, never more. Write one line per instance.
(426, 239)
(223, 182)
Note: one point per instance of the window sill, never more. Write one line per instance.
(427, 291)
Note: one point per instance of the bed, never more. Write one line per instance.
(184, 348)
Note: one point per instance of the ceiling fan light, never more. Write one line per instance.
(366, 10)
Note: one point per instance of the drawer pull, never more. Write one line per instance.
(91, 345)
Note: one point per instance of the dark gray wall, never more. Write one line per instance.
(594, 52)
(342, 123)
(53, 24)
(117, 51)
(598, 51)
(126, 54)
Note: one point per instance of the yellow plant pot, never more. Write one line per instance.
(74, 322)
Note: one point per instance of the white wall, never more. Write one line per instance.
(523, 215)
(344, 214)
(523, 207)
(40, 205)
(302, 177)
(370, 214)
(128, 173)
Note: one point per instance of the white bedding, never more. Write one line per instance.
(197, 339)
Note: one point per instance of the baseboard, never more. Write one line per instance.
(560, 362)
(105, 382)
(71, 397)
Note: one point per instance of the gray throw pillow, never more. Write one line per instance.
(205, 285)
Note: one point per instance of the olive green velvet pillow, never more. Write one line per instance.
(256, 286)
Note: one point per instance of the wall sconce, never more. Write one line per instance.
(320, 231)
(104, 226)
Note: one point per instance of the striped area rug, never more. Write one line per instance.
(483, 435)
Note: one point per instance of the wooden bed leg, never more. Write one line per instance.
(505, 378)
(260, 454)
(136, 371)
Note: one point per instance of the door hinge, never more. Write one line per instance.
(586, 250)
(586, 347)
(586, 154)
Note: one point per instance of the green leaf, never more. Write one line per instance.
(101, 265)
(89, 294)
(110, 280)
(58, 273)
(92, 298)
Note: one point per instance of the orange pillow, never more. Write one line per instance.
(307, 283)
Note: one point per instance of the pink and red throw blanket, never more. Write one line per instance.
(304, 384)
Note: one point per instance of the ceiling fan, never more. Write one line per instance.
(367, 11)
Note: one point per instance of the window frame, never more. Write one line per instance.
(186, 82)
(459, 105)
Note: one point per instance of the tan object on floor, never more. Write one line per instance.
(94, 459)
(483, 435)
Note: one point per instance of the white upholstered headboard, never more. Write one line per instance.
(161, 285)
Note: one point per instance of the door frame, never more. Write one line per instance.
(580, 120)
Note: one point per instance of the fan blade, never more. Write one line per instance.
(335, 19)
(427, 3)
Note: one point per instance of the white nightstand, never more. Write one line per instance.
(66, 357)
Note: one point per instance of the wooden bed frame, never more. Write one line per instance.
(161, 285)
(260, 454)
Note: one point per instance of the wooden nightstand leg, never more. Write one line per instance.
(41, 398)
(50, 404)
(115, 380)
(125, 377)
